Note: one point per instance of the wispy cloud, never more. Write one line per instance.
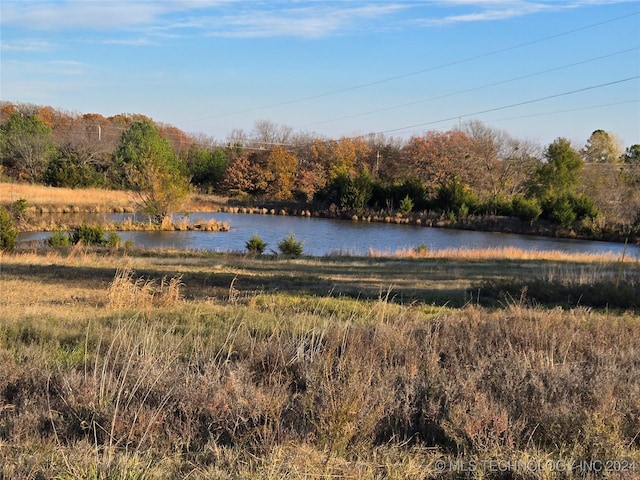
(60, 15)
(257, 19)
(93, 14)
(316, 20)
(52, 67)
(492, 10)
(26, 45)
(224, 18)
(131, 42)
(489, 11)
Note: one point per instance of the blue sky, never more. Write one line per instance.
(539, 69)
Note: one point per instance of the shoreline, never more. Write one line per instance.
(486, 223)
(42, 201)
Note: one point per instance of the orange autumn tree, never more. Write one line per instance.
(437, 157)
(343, 157)
(280, 174)
(238, 176)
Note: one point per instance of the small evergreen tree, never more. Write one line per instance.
(8, 231)
(291, 246)
(406, 205)
(256, 245)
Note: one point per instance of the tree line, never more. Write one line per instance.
(474, 169)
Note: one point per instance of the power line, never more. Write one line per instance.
(460, 92)
(591, 107)
(504, 107)
(417, 72)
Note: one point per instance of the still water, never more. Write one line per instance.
(327, 236)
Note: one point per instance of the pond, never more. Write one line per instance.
(328, 236)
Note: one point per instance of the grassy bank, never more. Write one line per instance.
(183, 364)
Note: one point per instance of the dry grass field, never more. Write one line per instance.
(136, 365)
(42, 196)
(54, 199)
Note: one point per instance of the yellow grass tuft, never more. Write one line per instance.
(127, 292)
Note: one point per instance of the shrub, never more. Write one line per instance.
(526, 209)
(113, 240)
(291, 246)
(348, 192)
(8, 231)
(497, 206)
(89, 235)
(256, 245)
(19, 209)
(455, 197)
(59, 239)
(560, 211)
(584, 207)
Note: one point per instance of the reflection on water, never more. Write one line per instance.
(325, 236)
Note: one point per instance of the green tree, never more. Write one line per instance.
(207, 167)
(556, 185)
(26, 144)
(149, 167)
(357, 191)
(560, 173)
(560, 210)
(89, 235)
(67, 171)
(632, 154)
(456, 197)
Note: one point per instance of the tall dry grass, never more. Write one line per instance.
(43, 195)
(66, 200)
(124, 377)
(316, 387)
(125, 291)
